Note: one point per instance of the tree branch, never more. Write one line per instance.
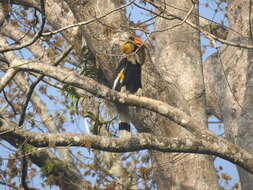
(134, 143)
(89, 21)
(199, 28)
(173, 113)
(9, 102)
(27, 3)
(36, 36)
(24, 174)
(68, 176)
(7, 77)
(40, 77)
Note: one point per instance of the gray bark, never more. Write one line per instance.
(228, 77)
(178, 61)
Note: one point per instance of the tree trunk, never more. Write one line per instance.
(178, 61)
(228, 77)
(239, 19)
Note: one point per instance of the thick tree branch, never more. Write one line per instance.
(69, 177)
(101, 91)
(176, 115)
(134, 143)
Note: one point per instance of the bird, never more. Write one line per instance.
(128, 73)
(127, 77)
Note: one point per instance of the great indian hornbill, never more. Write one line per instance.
(128, 72)
(128, 76)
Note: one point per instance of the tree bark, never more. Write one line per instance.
(178, 61)
(240, 19)
(229, 80)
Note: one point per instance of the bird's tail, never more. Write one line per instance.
(119, 109)
(123, 112)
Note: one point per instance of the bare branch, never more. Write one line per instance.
(173, 113)
(24, 174)
(70, 178)
(36, 36)
(88, 84)
(9, 102)
(9, 185)
(250, 23)
(182, 22)
(7, 77)
(32, 87)
(137, 142)
(27, 3)
(89, 21)
(199, 28)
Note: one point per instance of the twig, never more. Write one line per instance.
(87, 22)
(154, 13)
(35, 38)
(9, 185)
(29, 95)
(182, 22)
(24, 169)
(9, 102)
(214, 122)
(5, 106)
(199, 28)
(183, 10)
(24, 172)
(32, 87)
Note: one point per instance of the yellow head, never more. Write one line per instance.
(131, 44)
(128, 48)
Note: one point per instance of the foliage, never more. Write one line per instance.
(51, 168)
(72, 95)
(97, 123)
(26, 149)
(88, 63)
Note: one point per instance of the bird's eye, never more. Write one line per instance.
(131, 38)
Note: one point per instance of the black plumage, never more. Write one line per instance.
(127, 74)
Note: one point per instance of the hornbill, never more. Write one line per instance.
(128, 72)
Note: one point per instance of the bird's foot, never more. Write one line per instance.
(139, 92)
(124, 90)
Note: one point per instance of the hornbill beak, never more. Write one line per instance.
(130, 44)
(137, 41)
